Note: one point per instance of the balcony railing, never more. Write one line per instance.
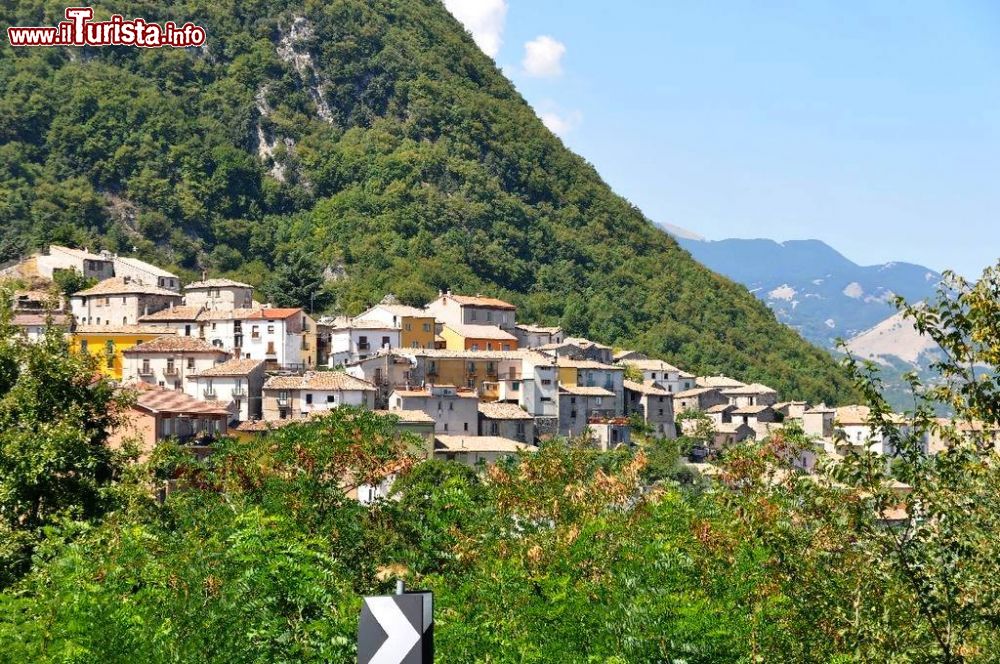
(145, 371)
(209, 393)
(239, 392)
(171, 371)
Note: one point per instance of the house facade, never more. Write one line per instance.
(238, 382)
(654, 404)
(508, 420)
(473, 310)
(119, 301)
(295, 396)
(477, 338)
(224, 294)
(91, 266)
(416, 326)
(454, 410)
(109, 343)
(167, 361)
(360, 338)
(145, 273)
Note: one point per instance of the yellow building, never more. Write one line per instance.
(458, 336)
(464, 368)
(416, 326)
(109, 342)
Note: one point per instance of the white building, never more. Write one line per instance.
(238, 382)
(219, 294)
(663, 374)
(360, 338)
(87, 264)
(293, 396)
(533, 336)
(475, 451)
(168, 361)
(119, 301)
(145, 273)
(454, 411)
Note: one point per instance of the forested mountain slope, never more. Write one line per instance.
(375, 139)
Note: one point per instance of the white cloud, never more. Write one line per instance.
(484, 19)
(543, 57)
(561, 123)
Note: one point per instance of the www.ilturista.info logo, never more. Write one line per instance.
(79, 30)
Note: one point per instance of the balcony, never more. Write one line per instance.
(210, 393)
(239, 392)
(171, 371)
(145, 371)
(283, 402)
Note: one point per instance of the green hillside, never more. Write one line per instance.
(378, 144)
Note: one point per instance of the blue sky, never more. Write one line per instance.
(874, 126)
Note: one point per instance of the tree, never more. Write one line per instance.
(70, 281)
(55, 415)
(297, 281)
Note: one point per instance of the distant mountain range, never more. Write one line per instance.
(811, 286)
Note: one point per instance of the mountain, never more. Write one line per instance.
(812, 287)
(367, 140)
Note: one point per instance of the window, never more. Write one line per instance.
(255, 332)
(572, 414)
(494, 428)
(415, 344)
(472, 314)
(546, 381)
(177, 385)
(124, 320)
(145, 367)
(489, 345)
(515, 386)
(190, 364)
(472, 367)
(445, 426)
(408, 326)
(489, 316)
(170, 365)
(598, 400)
(427, 327)
(465, 426)
(187, 330)
(451, 405)
(661, 412)
(270, 329)
(309, 398)
(331, 399)
(506, 346)
(474, 347)
(385, 341)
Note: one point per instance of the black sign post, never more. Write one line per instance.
(397, 629)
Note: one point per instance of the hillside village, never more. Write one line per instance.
(474, 382)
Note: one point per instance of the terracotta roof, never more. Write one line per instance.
(499, 410)
(401, 310)
(143, 265)
(152, 330)
(234, 367)
(409, 416)
(364, 324)
(695, 391)
(586, 343)
(26, 320)
(240, 313)
(78, 253)
(319, 380)
(586, 364)
(539, 329)
(720, 408)
(426, 392)
(159, 400)
(478, 444)
(122, 286)
(650, 365)
(173, 314)
(175, 344)
(480, 331)
(646, 388)
(480, 301)
(274, 314)
(582, 391)
(718, 381)
(216, 283)
(752, 388)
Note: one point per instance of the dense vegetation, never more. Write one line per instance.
(554, 556)
(396, 154)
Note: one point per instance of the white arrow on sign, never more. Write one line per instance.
(400, 637)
